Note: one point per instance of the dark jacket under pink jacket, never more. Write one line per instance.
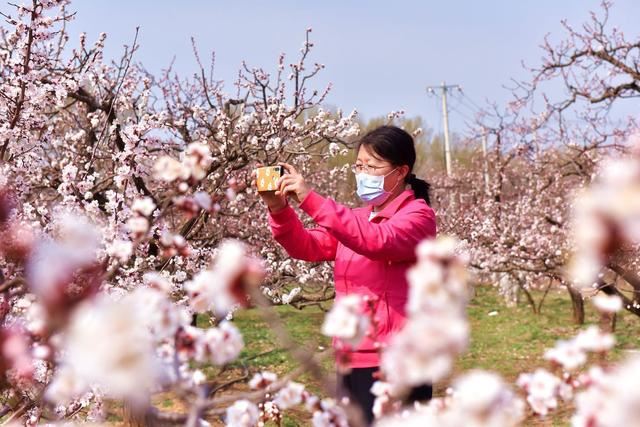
(371, 256)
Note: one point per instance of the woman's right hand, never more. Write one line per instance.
(274, 202)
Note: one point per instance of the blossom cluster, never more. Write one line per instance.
(436, 330)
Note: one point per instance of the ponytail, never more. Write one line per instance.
(420, 188)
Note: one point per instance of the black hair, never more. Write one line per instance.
(397, 147)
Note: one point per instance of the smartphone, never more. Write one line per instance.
(267, 176)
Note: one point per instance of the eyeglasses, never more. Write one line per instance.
(359, 168)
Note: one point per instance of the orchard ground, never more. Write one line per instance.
(510, 342)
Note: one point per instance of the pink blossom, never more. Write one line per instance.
(568, 354)
(15, 353)
(227, 282)
(438, 282)
(121, 250)
(423, 351)
(219, 345)
(168, 169)
(347, 320)
(593, 339)
(437, 330)
(144, 206)
(197, 160)
(262, 379)
(242, 414)
(138, 226)
(122, 359)
(610, 399)
(290, 395)
(542, 390)
(7, 204)
(173, 244)
(483, 399)
(62, 275)
(157, 281)
(329, 414)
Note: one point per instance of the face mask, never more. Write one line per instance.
(370, 188)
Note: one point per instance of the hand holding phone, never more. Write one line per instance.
(292, 184)
(274, 202)
(267, 177)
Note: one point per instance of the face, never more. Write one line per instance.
(378, 166)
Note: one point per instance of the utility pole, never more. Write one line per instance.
(444, 88)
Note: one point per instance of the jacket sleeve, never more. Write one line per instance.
(314, 244)
(392, 240)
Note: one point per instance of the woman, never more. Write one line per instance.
(372, 246)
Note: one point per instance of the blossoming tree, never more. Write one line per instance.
(119, 192)
(542, 147)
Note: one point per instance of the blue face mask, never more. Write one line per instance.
(370, 188)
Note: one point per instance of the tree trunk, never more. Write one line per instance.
(528, 295)
(578, 305)
(133, 416)
(608, 322)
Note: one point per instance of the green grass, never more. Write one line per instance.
(515, 339)
(262, 350)
(511, 342)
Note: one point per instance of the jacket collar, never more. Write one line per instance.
(394, 206)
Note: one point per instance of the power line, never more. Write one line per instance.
(464, 95)
(468, 106)
(463, 100)
(462, 114)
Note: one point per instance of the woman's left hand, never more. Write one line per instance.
(292, 184)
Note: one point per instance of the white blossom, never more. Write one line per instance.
(242, 414)
(542, 389)
(568, 354)
(138, 225)
(144, 206)
(347, 320)
(330, 415)
(169, 169)
(607, 303)
(334, 149)
(436, 331)
(287, 298)
(611, 399)
(262, 379)
(424, 350)
(290, 395)
(223, 286)
(219, 345)
(122, 359)
(595, 340)
(197, 160)
(65, 386)
(121, 250)
(159, 314)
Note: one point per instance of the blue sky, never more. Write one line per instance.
(379, 55)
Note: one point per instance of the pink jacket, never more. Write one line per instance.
(371, 257)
